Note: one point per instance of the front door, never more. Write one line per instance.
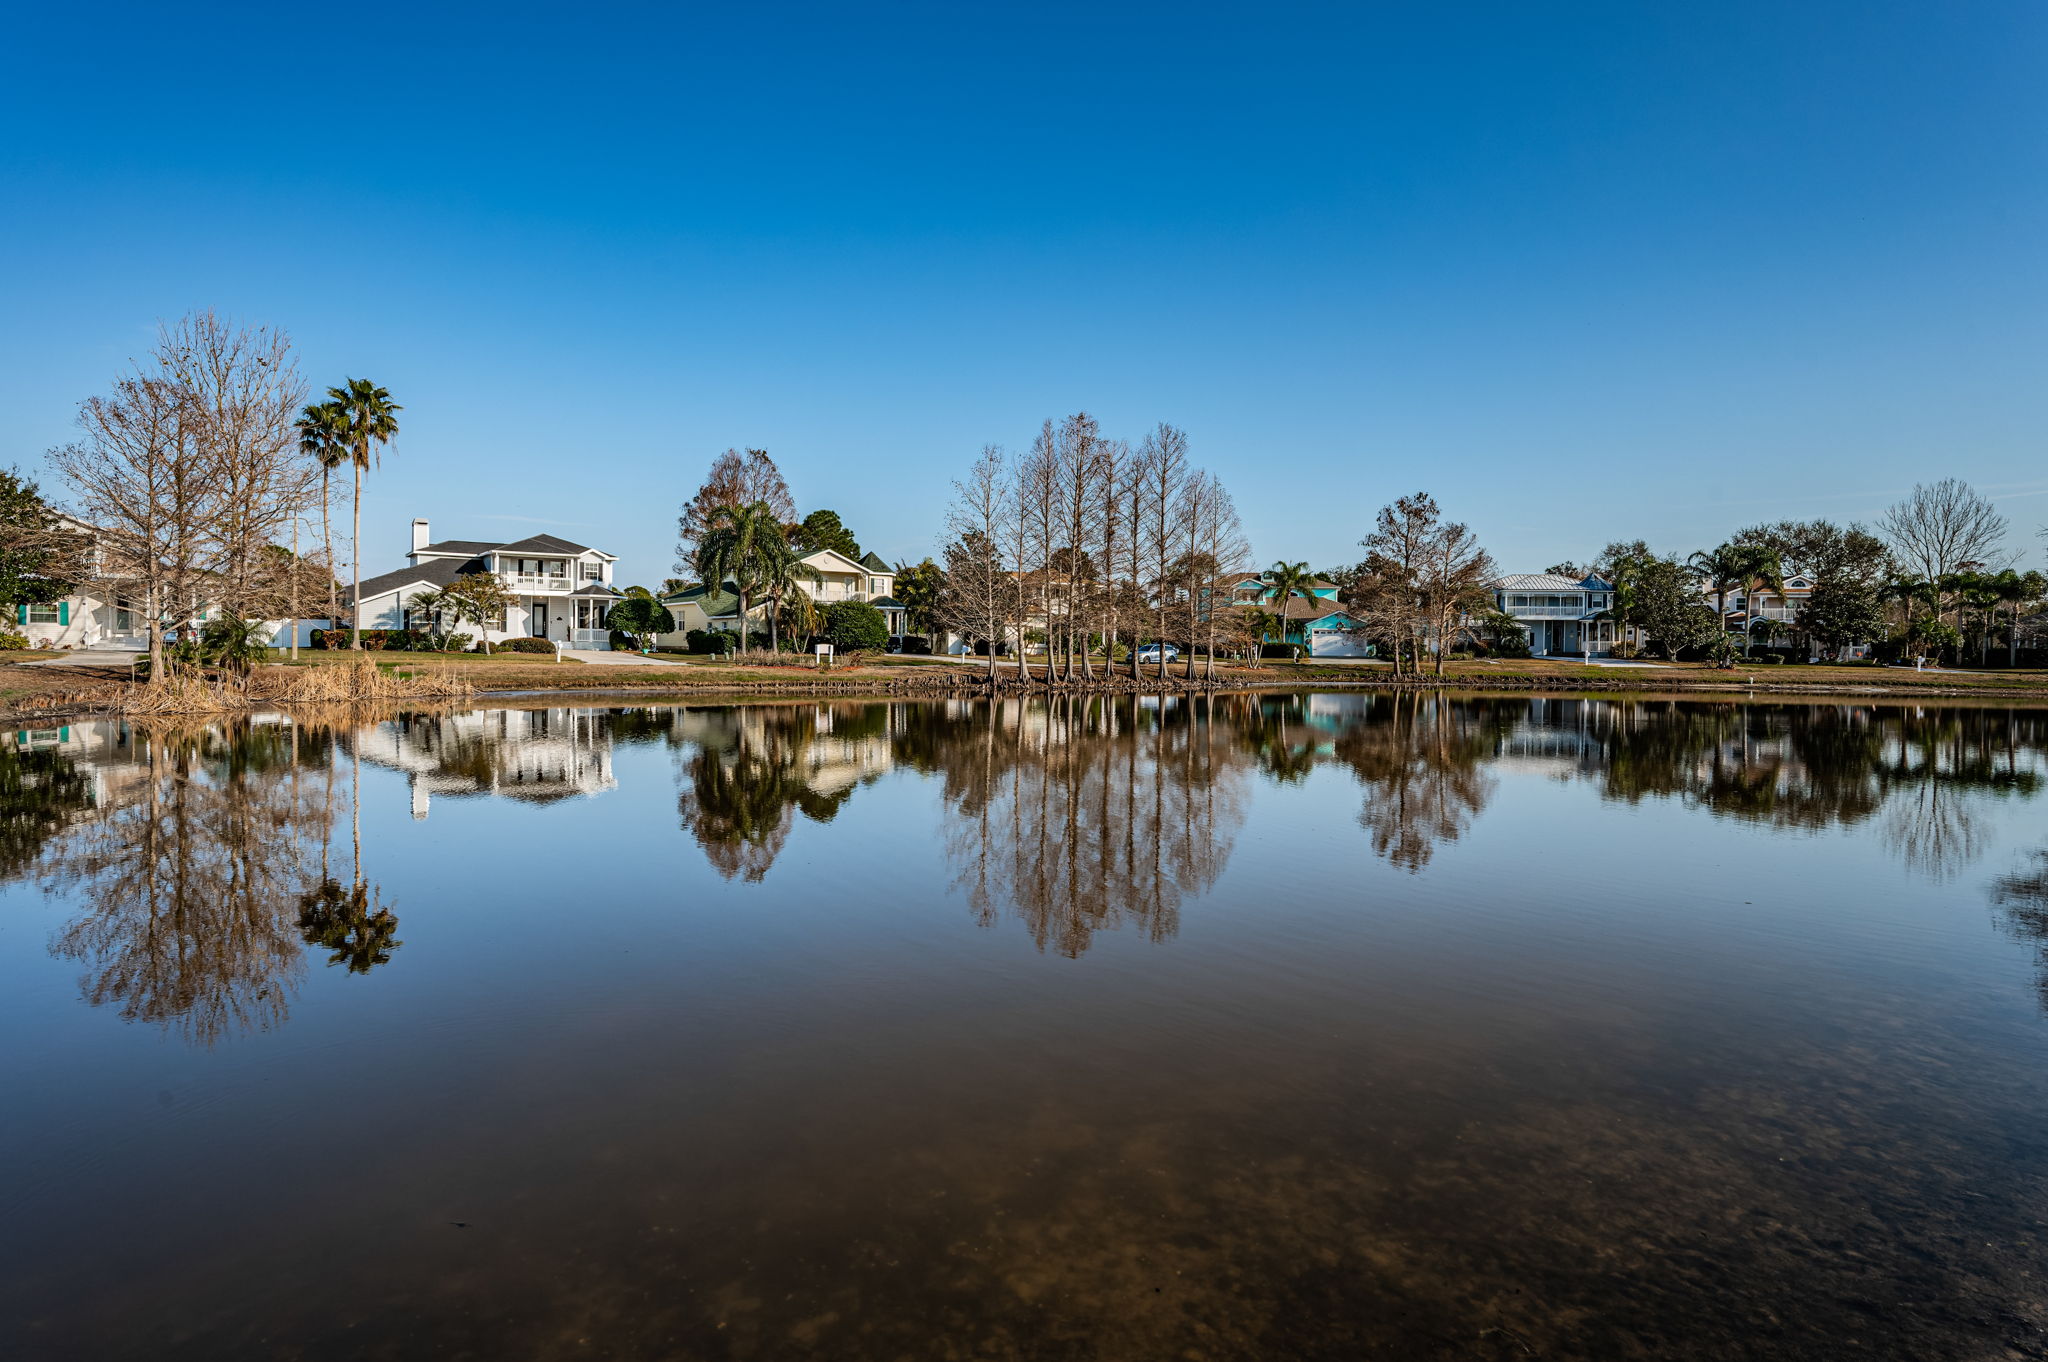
(537, 619)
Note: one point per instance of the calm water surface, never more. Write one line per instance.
(1319, 1026)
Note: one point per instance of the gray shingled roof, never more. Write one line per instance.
(469, 546)
(875, 562)
(435, 572)
(543, 543)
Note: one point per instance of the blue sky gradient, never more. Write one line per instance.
(1584, 271)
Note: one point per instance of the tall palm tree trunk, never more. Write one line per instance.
(355, 563)
(327, 539)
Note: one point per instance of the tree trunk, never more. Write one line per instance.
(355, 567)
(327, 538)
(774, 635)
(156, 639)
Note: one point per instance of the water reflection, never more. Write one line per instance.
(190, 873)
(204, 858)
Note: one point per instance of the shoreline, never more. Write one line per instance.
(98, 696)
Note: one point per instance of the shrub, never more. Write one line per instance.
(525, 645)
(1287, 650)
(457, 643)
(10, 641)
(855, 626)
(914, 645)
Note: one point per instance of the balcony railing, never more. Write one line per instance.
(1547, 612)
(537, 581)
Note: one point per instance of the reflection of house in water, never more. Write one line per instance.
(537, 755)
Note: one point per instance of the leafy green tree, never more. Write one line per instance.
(643, 617)
(477, 598)
(371, 423)
(855, 627)
(1287, 580)
(1842, 611)
(822, 530)
(783, 579)
(1668, 606)
(921, 587)
(39, 560)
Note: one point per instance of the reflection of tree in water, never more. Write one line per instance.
(42, 792)
(2020, 901)
(204, 881)
(339, 919)
(753, 769)
(1924, 771)
(1082, 814)
(1421, 760)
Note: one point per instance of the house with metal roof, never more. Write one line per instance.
(1563, 616)
(561, 590)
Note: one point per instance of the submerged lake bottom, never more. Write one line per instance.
(1214, 1027)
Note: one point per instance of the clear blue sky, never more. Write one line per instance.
(1584, 271)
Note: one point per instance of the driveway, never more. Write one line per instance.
(85, 657)
(609, 659)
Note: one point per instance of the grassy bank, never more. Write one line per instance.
(42, 692)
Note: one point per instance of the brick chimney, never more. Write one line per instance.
(419, 535)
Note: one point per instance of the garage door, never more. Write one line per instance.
(1337, 643)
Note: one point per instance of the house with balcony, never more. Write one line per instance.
(1766, 614)
(560, 590)
(1562, 616)
(837, 578)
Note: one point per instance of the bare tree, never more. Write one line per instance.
(1223, 550)
(1942, 527)
(1390, 589)
(980, 596)
(136, 477)
(1165, 457)
(1038, 503)
(1112, 526)
(1454, 572)
(242, 390)
(1077, 447)
(735, 479)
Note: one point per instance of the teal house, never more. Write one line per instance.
(1316, 622)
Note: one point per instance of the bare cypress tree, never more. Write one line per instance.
(1223, 547)
(1166, 454)
(980, 593)
(1138, 483)
(1111, 517)
(1078, 447)
(243, 392)
(138, 478)
(1039, 489)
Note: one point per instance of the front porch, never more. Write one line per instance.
(1569, 637)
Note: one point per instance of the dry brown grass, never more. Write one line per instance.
(363, 680)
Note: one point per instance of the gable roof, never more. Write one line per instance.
(885, 603)
(466, 547)
(543, 543)
(874, 562)
(852, 564)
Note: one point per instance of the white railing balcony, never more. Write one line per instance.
(1547, 612)
(536, 581)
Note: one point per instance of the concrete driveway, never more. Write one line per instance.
(86, 657)
(610, 659)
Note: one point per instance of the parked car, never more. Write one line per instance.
(1150, 652)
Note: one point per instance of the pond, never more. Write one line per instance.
(1253, 1026)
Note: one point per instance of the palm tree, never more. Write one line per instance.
(372, 421)
(737, 547)
(1289, 579)
(782, 574)
(1746, 567)
(1722, 570)
(323, 434)
(2016, 589)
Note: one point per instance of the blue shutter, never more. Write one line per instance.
(64, 612)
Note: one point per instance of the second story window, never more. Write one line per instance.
(592, 572)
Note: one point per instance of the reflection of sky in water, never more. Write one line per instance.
(1278, 1028)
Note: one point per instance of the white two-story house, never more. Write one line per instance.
(1562, 616)
(560, 591)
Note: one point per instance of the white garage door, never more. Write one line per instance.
(1337, 643)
